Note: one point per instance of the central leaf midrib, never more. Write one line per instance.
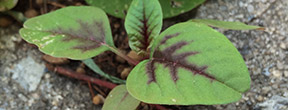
(186, 67)
(74, 37)
(195, 69)
(145, 27)
(81, 38)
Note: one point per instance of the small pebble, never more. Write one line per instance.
(286, 74)
(265, 90)
(134, 56)
(22, 97)
(260, 98)
(250, 8)
(39, 2)
(277, 73)
(81, 69)
(30, 13)
(280, 65)
(98, 99)
(283, 45)
(125, 73)
(47, 76)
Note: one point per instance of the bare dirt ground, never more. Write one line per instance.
(265, 53)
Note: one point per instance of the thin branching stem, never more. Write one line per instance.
(75, 75)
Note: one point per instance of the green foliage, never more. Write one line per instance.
(226, 24)
(143, 23)
(120, 99)
(72, 32)
(7, 4)
(91, 64)
(118, 8)
(189, 63)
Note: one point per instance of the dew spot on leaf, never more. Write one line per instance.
(174, 100)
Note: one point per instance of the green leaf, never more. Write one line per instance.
(120, 99)
(191, 64)
(16, 15)
(93, 66)
(7, 4)
(74, 32)
(143, 23)
(176, 7)
(118, 8)
(226, 24)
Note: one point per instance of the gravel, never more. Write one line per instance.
(25, 85)
(28, 73)
(274, 103)
(265, 53)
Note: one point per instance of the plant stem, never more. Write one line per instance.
(93, 66)
(90, 89)
(118, 52)
(72, 74)
(75, 75)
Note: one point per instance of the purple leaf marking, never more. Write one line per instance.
(144, 30)
(90, 35)
(168, 58)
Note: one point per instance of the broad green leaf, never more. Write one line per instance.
(93, 66)
(118, 8)
(74, 32)
(226, 24)
(143, 23)
(7, 4)
(120, 99)
(191, 64)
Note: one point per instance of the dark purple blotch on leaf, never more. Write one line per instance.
(90, 35)
(173, 61)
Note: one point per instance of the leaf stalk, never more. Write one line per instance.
(127, 58)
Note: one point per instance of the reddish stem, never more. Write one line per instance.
(99, 82)
(75, 75)
(91, 90)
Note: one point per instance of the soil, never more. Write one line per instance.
(265, 53)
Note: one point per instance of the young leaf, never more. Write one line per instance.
(93, 66)
(73, 32)
(118, 8)
(226, 24)
(7, 4)
(143, 22)
(120, 99)
(191, 64)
